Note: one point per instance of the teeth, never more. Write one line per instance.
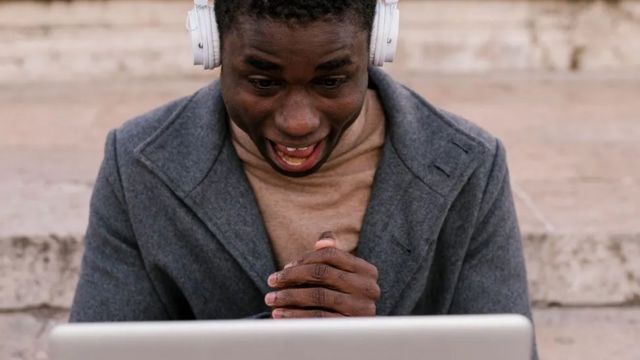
(299, 149)
(285, 153)
(295, 161)
(292, 160)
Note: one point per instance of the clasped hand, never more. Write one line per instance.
(327, 282)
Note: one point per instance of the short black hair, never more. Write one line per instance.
(297, 12)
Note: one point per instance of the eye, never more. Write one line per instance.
(262, 83)
(332, 82)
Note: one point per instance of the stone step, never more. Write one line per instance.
(563, 270)
(84, 38)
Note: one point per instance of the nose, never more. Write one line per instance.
(297, 116)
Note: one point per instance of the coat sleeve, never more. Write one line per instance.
(493, 278)
(113, 285)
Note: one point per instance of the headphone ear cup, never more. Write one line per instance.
(215, 40)
(391, 44)
(197, 45)
(374, 50)
(205, 38)
(384, 32)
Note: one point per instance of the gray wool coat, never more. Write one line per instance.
(175, 232)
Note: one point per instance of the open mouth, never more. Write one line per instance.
(296, 159)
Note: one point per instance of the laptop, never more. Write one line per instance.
(481, 337)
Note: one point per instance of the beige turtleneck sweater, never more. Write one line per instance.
(297, 210)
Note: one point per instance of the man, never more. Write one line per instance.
(303, 183)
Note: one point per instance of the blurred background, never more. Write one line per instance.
(558, 81)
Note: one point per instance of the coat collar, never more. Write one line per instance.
(425, 160)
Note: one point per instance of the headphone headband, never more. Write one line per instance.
(205, 36)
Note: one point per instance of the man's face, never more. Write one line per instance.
(294, 89)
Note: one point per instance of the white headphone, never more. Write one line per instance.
(205, 38)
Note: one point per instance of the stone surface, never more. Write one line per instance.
(23, 335)
(588, 333)
(83, 38)
(59, 208)
(472, 36)
(583, 269)
(38, 271)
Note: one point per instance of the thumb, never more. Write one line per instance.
(327, 239)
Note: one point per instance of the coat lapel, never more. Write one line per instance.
(399, 227)
(210, 180)
(226, 203)
(417, 179)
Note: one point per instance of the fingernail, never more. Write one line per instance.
(273, 279)
(277, 314)
(327, 235)
(270, 298)
(289, 265)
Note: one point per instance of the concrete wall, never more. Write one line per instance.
(67, 40)
(460, 36)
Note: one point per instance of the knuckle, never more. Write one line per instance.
(329, 252)
(283, 275)
(283, 297)
(343, 276)
(319, 296)
(319, 271)
(338, 300)
(370, 291)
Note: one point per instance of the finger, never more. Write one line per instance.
(316, 274)
(322, 275)
(300, 313)
(327, 239)
(319, 245)
(324, 243)
(339, 259)
(321, 298)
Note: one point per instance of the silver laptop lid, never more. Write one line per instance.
(484, 337)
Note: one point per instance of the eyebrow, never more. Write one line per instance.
(265, 65)
(335, 64)
(261, 64)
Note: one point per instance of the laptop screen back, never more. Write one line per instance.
(484, 337)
